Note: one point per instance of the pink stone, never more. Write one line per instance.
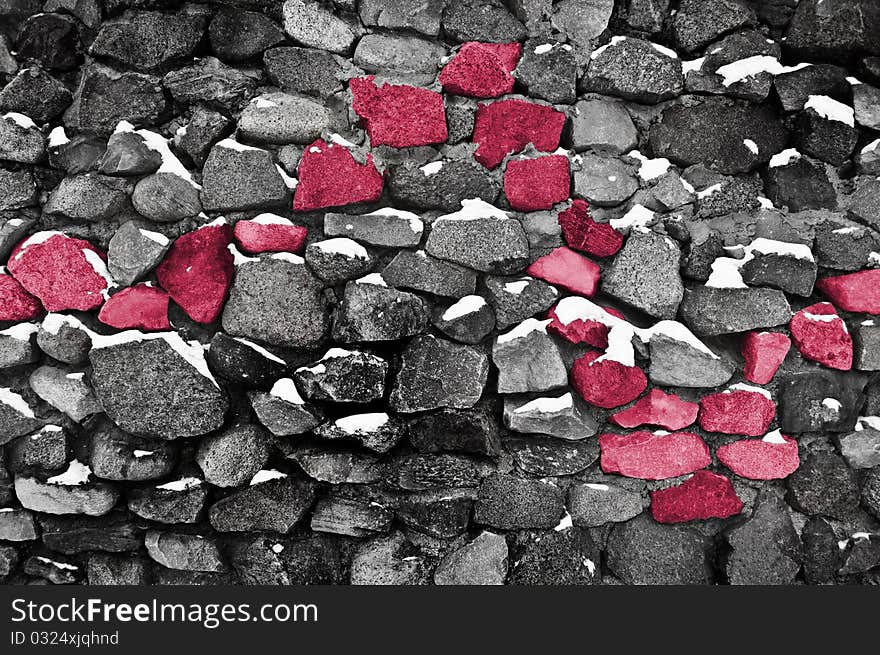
(652, 456)
(665, 410)
(256, 237)
(579, 330)
(737, 412)
(854, 292)
(534, 184)
(329, 176)
(825, 341)
(198, 270)
(705, 495)
(759, 459)
(507, 126)
(481, 70)
(16, 304)
(582, 233)
(763, 352)
(567, 269)
(399, 115)
(606, 383)
(141, 307)
(58, 272)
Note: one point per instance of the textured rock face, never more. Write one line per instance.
(440, 292)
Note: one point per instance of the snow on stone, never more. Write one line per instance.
(854, 81)
(546, 405)
(362, 423)
(774, 437)
(20, 119)
(565, 523)
(76, 474)
(831, 109)
(524, 329)
(232, 144)
(11, 399)
(373, 278)
(832, 404)
(543, 48)
(238, 257)
(821, 318)
(725, 274)
(871, 147)
(637, 216)
(596, 486)
(289, 181)
(650, 168)
(343, 246)
(751, 145)
(337, 353)
(265, 475)
(263, 103)
(663, 50)
(784, 158)
(20, 331)
(677, 332)
(58, 137)
(52, 323)
(613, 42)
(780, 248)
(591, 565)
(286, 390)
(517, 287)
(574, 308)
(100, 267)
(693, 65)
(75, 376)
(741, 386)
(288, 257)
(708, 191)
(750, 66)
(180, 485)
(170, 163)
(415, 223)
(158, 237)
(271, 219)
(138, 454)
(58, 565)
(465, 306)
(852, 229)
(872, 422)
(258, 348)
(341, 141)
(35, 239)
(620, 348)
(473, 209)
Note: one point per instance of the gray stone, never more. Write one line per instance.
(820, 79)
(148, 388)
(485, 242)
(482, 561)
(552, 457)
(642, 552)
(481, 20)
(604, 181)
(387, 227)
(646, 15)
(166, 198)
(241, 177)
(117, 455)
(866, 102)
(128, 154)
(548, 74)
(114, 532)
(833, 32)
(676, 363)
(709, 311)
(871, 492)
(314, 25)
(18, 525)
(794, 275)
(54, 570)
(556, 557)
(19, 141)
(304, 70)
(283, 418)
(45, 449)
(824, 485)
(468, 431)
(471, 326)
(186, 552)
(338, 260)
(209, 80)
(415, 269)
(562, 417)
(821, 554)
(446, 187)
(204, 128)
(94, 499)
(864, 203)
(831, 141)
(15, 420)
(66, 391)
(866, 342)
(67, 341)
(376, 431)
(602, 125)
(17, 347)
(134, 251)
(373, 312)
(435, 373)
(35, 93)
(388, 560)
(844, 245)
(88, 197)
(232, 457)
(416, 15)
(508, 502)
(283, 118)
(277, 302)
(337, 466)
(275, 506)
(461, 113)
(238, 35)
(528, 360)
(110, 569)
(635, 70)
(582, 21)
(800, 185)
(181, 504)
(406, 59)
(343, 376)
(515, 299)
(801, 402)
(350, 516)
(699, 22)
(669, 193)
(860, 449)
(592, 505)
(17, 189)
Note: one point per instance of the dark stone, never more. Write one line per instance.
(237, 361)
(238, 35)
(373, 312)
(416, 270)
(824, 485)
(304, 70)
(508, 502)
(699, 22)
(563, 557)
(466, 430)
(790, 274)
(211, 81)
(442, 514)
(376, 431)
(837, 31)
(549, 75)
(350, 516)
(232, 457)
(551, 457)
(796, 87)
(118, 455)
(480, 20)
(799, 186)
(183, 504)
(204, 129)
(51, 39)
(283, 418)
(275, 506)
(821, 553)
(843, 245)
(515, 299)
(801, 397)
(110, 569)
(417, 472)
(445, 189)
(35, 93)
(114, 533)
(635, 70)
(241, 179)
(344, 377)
(186, 552)
(45, 449)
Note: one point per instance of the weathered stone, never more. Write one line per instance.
(275, 505)
(187, 552)
(232, 457)
(482, 561)
(509, 503)
(710, 311)
(593, 504)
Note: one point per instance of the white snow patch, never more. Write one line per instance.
(37, 238)
(289, 181)
(853, 229)
(286, 390)
(337, 353)
(781, 248)
(343, 246)
(750, 66)
(20, 331)
(158, 237)
(232, 144)
(832, 404)
(76, 474)
(595, 486)
(270, 219)
(871, 147)
(262, 351)
(265, 475)
(11, 399)
(693, 65)
(288, 257)
(620, 348)
(430, 168)
(362, 423)
(564, 523)
(832, 110)
(170, 163)
(725, 274)
(613, 42)
(277, 548)
(238, 257)
(75, 376)
(663, 50)
(591, 565)
(473, 209)
(58, 565)
(854, 81)
(341, 141)
(650, 168)
(263, 103)
(741, 386)
(578, 308)
(546, 405)
(21, 120)
(58, 137)
(180, 485)
(751, 145)
(138, 454)
(543, 48)
(100, 267)
(415, 223)
(517, 287)
(821, 318)
(375, 279)
(774, 437)
(524, 329)
(637, 216)
(872, 422)
(465, 306)
(708, 191)
(784, 158)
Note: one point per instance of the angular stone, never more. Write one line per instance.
(704, 495)
(528, 359)
(44, 449)
(55, 571)
(516, 299)
(480, 20)
(89, 197)
(602, 125)
(17, 189)
(210, 81)
(800, 185)
(374, 430)
(94, 499)
(316, 26)
(563, 557)
(419, 271)
(419, 472)
(482, 561)
(18, 525)
(337, 466)
(795, 87)
(389, 560)
(36, 93)
(303, 70)
(338, 260)
(64, 338)
(635, 70)
(508, 126)
(275, 506)
(664, 410)
(658, 292)
(185, 552)
(114, 533)
(481, 70)
(833, 32)
(18, 304)
(330, 176)
(344, 377)
(350, 516)
(465, 430)
(843, 246)
(443, 184)
(374, 312)
(802, 406)
(772, 458)
(820, 335)
(51, 39)
(738, 410)
(17, 346)
(711, 311)
(653, 456)
(469, 320)
(20, 139)
(390, 228)
(179, 501)
(232, 457)
(243, 362)
(855, 292)
(282, 413)
(606, 383)
(128, 154)
(399, 58)
(565, 268)
(238, 35)
(17, 417)
(117, 455)
(109, 569)
(556, 417)
(697, 23)
(407, 14)
(830, 137)
(278, 118)
(678, 363)
(860, 449)
(241, 177)
(592, 505)
(604, 181)
(141, 307)
(508, 502)
(824, 485)
(205, 127)
(66, 391)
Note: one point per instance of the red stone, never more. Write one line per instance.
(606, 383)
(588, 331)
(16, 304)
(582, 233)
(198, 270)
(737, 412)
(705, 495)
(652, 456)
(534, 184)
(255, 237)
(854, 292)
(827, 342)
(57, 271)
(567, 269)
(764, 352)
(329, 176)
(141, 307)
(481, 70)
(759, 459)
(399, 115)
(665, 410)
(507, 126)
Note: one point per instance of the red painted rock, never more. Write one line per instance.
(665, 410)
(329, 176)
(481, 70)
(507, 126)
(198, 270)
(63, 272)
(567, 269)
(579, 320)
(772, 458)
(399, 115)
(763, 352)
(652, 456)
(606, 383)
(739, 410)
(854, 292)
(705, 495)
(270, 233)
(821, 336)
(534, 184)
(582, 233)
(141, 307)
(16, 304)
